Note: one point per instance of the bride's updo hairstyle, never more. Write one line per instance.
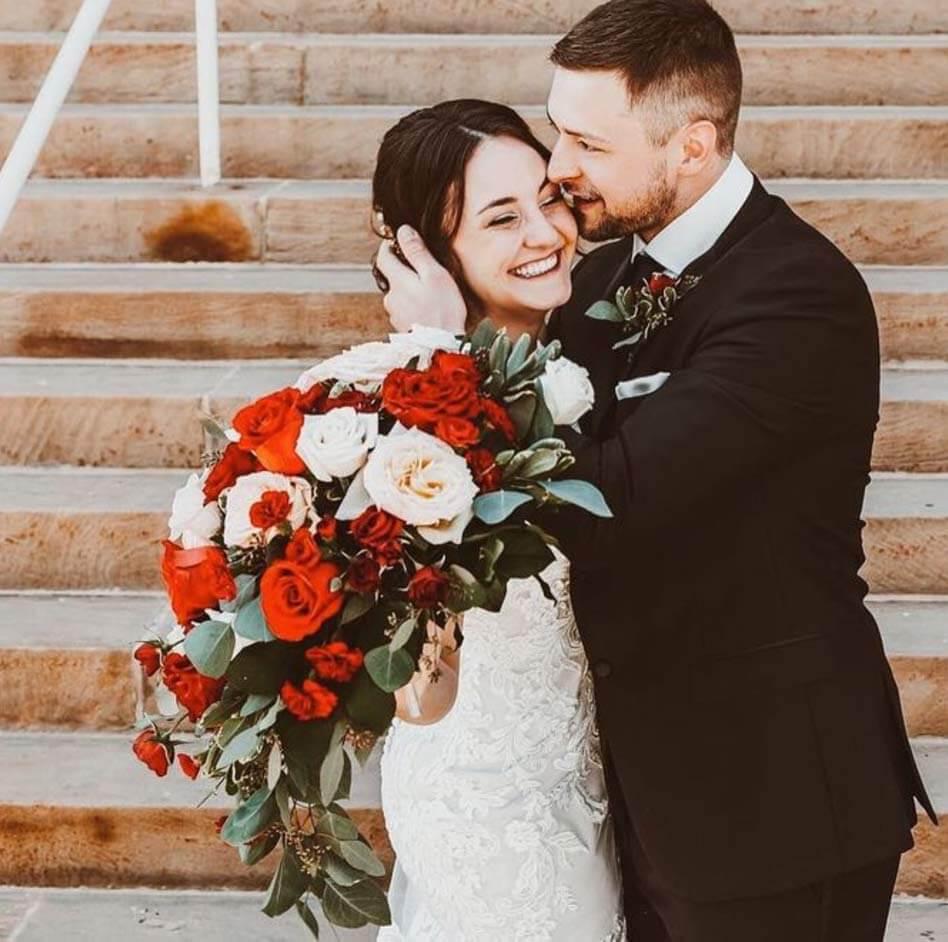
(420, 172)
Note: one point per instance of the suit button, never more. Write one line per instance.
(602, 668)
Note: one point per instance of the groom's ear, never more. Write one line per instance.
(699, 147)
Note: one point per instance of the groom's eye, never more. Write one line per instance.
(552, 199)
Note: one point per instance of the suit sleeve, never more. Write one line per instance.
(777, 374)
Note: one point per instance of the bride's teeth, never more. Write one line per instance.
(537, 268)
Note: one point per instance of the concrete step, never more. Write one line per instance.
(323, 69)
(111, 822)
(206, 311)
(98, 528)
(34, 914)
(913, 427)
(82, 643)
(144, 413)
(488, 16)
(327, 221)
(123, 413)
(42, 914)
(329, 141)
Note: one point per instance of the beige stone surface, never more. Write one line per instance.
(912, 436)
(912, 326)
(477, 16)
(906, 555)
(342, 142)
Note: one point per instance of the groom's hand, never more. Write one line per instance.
(424, 293)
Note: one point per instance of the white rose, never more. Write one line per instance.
(193, 522)
(567, 390)
(335, 445)
(363, 366)
(238, 529)
(424, 341)
(421, 480)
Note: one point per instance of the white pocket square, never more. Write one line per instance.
(640, 386)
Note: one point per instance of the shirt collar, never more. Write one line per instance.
(692, 233)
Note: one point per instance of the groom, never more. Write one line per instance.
(759, 771)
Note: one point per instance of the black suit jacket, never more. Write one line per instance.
(742, 688)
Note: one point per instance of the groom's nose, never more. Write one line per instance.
(561, 167)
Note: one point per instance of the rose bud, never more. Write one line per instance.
(428, 587)
(363, 575)
(659, 282)
(327, 529)
(149, 657)
(152, 751)
(188, 765)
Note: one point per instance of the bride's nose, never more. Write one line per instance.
(539, 232)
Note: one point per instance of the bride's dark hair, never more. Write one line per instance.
(420, 171)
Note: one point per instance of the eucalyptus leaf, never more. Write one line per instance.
(543, 425)
(339, 871)
(522, 410)
(274, 765)
(403, 634)
(330, 773)
(367, 705)
(389, 669)
(496, 506)
(269, 718)
(525, 554)
(255, 851)
(246, 589)
(361, 856)
(356, 606)
(337, 826)
(581, 494)
(518, 356)
(540, 463)
(259, 668)
(354, 906)
(282, 795)
(289, 883)
(255, 702)
(251, 624)
(605, 311)
(490, 552)
(308, 917)
(240, 748)
(250, 818)
(209, 646)
(483, 334)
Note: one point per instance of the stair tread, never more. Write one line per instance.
(103, 772)
(910, 626)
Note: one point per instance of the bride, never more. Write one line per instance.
(492, 782)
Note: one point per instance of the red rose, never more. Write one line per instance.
(360, 401)
(193, 690)
(363, 575)
(270, 427)
(420, 398)
(302, 548)
(428, 587)
(188, 765)
(335, 661)
(152, 751)
(487, 476)
(149, 657)
(659, 282)
(458, 433)
(233, 464)
(327, 529)
(272, 508)
(196, 579)
(498, 417)
(379, 531)
(312, 702)
(455, 364)
(297, 598)
(313, 400)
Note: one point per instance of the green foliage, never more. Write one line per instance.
(390, 669)
(289, 883)
(209, 646)
(260, 667)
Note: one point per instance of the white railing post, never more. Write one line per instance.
(32, 135)
(209, 112)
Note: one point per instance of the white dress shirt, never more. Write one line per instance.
(694, 232)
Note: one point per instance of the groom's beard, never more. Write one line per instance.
(648, 211)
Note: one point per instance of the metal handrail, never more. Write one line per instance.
(62, 74)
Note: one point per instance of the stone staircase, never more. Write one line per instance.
(129, 298)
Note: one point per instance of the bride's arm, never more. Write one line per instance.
(431, 692)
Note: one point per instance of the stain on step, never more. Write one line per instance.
(201, 232)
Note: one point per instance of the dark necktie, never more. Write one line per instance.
(644, 266)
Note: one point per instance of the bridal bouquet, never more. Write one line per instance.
(340, 521)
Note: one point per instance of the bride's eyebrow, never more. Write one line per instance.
(504, 200)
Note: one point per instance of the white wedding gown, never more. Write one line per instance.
(498, 813)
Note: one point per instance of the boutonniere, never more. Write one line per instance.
(642, 309)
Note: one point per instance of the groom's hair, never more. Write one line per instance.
(678, 58)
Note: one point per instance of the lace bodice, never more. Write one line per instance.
(498, 813)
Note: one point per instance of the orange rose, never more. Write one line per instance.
(270, 427)
(152, 751)
(313, 702)
(298, 599)
(196, 579)
(302, 548)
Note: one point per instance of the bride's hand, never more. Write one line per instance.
(432, 690)
(424, 293)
